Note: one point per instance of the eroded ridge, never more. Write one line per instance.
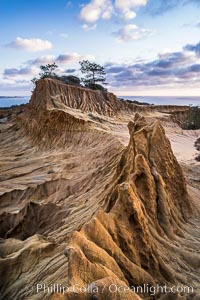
(77, 206)
(142, 232)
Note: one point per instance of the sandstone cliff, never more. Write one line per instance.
(55, 94)
(51, 93)
(78, 207)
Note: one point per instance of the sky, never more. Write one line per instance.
(148, 47)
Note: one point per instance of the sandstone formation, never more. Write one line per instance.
(55, 94)
(81, 209)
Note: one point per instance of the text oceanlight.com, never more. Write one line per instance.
(112, 288)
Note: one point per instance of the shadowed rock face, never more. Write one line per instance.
(77, 207)
(33, 218)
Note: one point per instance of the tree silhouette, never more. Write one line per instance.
(48, 70)
(94, 73)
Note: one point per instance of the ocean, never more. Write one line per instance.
(160, 100)
(9, 101)
(157, 100)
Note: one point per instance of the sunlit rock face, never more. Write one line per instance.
(146, 210)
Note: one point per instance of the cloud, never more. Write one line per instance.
(161, 7)
(14, 79)
(126, 7)
(114, 69)
(64, 58)
(95, 10)
(15, 87)
(191, 24)
(74, 57)
(173, 59)
(195, 68)
(176, 69)
(87, 27)
(20, 72)
(156, 8)
(19, 79)
(105, 9)
(30, 44)
(128, 4)
(42, 60)
(132, 32)
(193, 48)
(31, 68)
(129, 14)
(70, 71)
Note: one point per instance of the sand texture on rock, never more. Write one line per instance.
(92, 194)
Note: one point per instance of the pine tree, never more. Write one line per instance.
(48, 70)
(94, 73)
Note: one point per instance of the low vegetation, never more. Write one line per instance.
(192, 120)
(197, 146)
(134, 102)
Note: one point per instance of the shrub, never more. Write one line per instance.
(70, 79)
(197, 146)
(192, 121)
(197, 157)
(95, 86)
